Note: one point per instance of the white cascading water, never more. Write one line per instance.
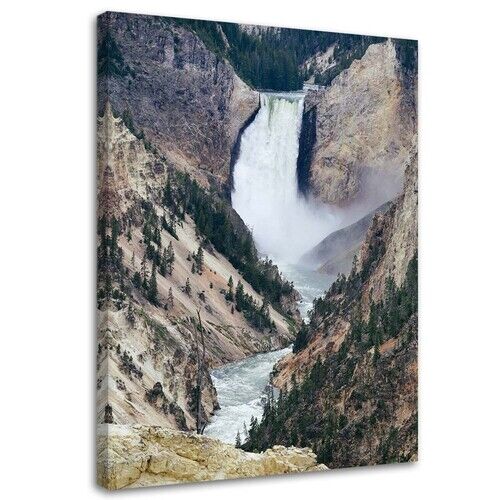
(266, 195)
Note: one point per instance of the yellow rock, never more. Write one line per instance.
(132, 456)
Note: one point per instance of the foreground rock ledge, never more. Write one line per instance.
(132, 456)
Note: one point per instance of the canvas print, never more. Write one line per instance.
(256, 248)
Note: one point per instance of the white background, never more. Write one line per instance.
(47, 275)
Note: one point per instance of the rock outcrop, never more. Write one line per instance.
(187, 101)
(365, 126)
(132, 456)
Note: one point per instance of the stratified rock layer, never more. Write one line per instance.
(132, 456)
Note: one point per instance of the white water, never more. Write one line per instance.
(266, 194)
(240, 387)
(285, 225)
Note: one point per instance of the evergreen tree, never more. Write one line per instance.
(240, 297)
(153, 286)
(170, 299)
(193, 268)
(130, 314)
(238, 440)
(170, 258)
(198, 258)
(187, 288)
(230, 292)
(168, 199)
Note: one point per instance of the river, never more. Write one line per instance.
(284, 226)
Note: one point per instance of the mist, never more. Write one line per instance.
(266, 196)
(285, 223)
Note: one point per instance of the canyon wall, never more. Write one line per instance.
(187, 101)
(148, 351)
(350, 387)
(364, 128)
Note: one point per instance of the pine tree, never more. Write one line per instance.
(264, 312)
(130, 314)
(199, 259)
(193, 268)
(187, 287)
(153, 286)
(168, 199)
(230, 292)
(170, 258)
(239, 297)
(238, 440)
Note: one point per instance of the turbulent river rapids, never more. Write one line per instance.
(285, 225)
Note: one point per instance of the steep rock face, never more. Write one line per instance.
(133, 456)
(189, 103)
(365, 126)
(140, 344)
(399, 234)
(390, 243)
(352, 385)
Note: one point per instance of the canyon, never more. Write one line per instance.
(225, 214)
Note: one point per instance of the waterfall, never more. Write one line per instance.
(266, 195)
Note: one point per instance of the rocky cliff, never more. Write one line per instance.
(186, 101)
(350, 387)
(364, 128)
(151, 348)
(133, 456)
